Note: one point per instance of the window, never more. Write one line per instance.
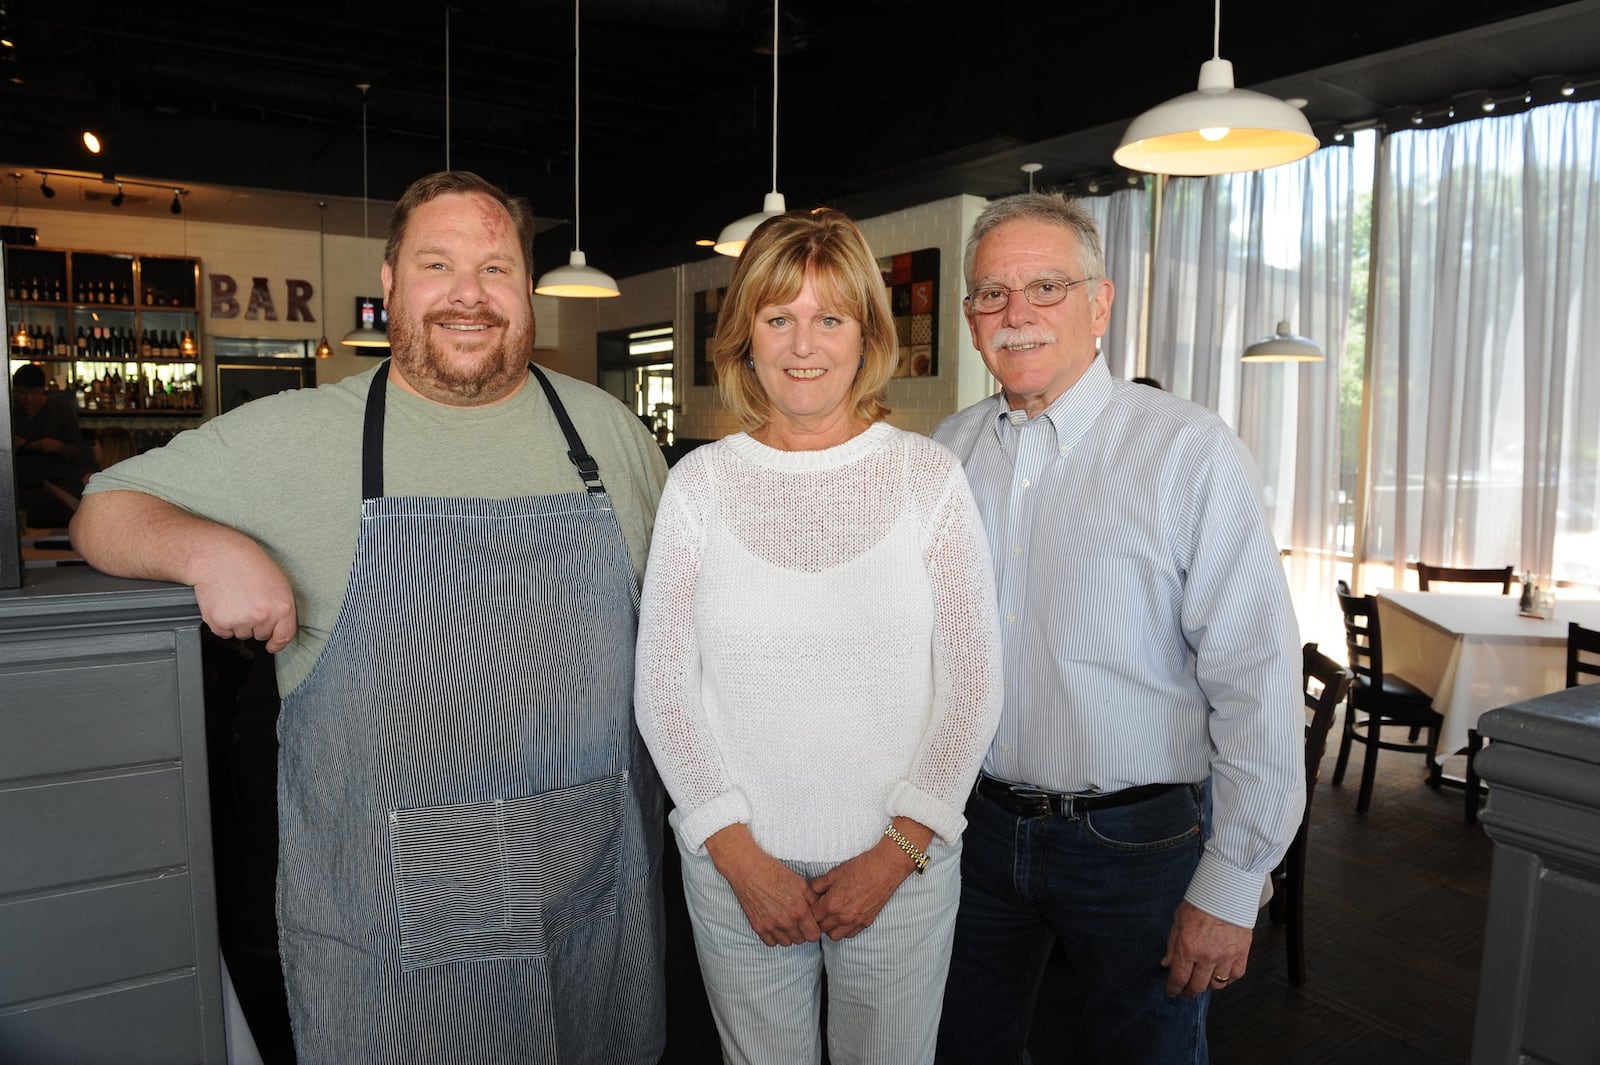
(635, 365)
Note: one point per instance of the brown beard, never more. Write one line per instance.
(494, 374)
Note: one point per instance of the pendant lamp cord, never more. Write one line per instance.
(322, 254)
(775, 94)
(577, 126)
(364, 234)
(447, 86)
(1216, 32)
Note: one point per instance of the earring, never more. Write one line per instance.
(750, 363)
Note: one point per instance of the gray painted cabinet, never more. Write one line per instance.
(1536, 997)
(108, 931)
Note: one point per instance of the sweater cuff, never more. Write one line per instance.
(904, 800)
(1226, 893)
(729, 808)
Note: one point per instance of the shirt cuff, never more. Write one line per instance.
(1226, 893)
(729, 808)
(904, 800)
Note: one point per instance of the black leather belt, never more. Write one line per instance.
(1023, 801)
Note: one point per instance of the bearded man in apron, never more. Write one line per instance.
(470, 826)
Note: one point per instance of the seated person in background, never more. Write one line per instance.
(45, 436)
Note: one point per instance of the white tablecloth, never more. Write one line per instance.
(1474, 653)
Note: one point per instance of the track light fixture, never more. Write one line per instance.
(109, 178)
(91, 141)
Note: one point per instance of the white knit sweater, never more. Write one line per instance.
(818, 645)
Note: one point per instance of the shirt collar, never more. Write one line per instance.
(1069, 417)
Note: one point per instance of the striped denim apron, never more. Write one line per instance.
(470, 826)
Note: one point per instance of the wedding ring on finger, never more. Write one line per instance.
(1221, 979)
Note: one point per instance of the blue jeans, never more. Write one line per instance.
(1106, 884)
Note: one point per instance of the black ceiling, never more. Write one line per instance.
(884, 103)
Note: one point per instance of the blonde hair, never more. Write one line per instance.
(773, 269)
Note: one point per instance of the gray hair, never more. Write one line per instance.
(1040, 207)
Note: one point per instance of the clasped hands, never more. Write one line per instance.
(784, 908)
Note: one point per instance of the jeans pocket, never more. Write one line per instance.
(1166, 821)
(505, 878)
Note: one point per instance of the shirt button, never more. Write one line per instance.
(1008, 682)
(1017, 550)
(1011, 617)
(1026, 483)
(1063, 451)
(1005, 748)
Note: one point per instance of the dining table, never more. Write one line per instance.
(1475, 653)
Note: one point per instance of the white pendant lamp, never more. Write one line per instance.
(1216, 129)
(731, 240)
(577, 278)
(367, 334)
(1283, 346)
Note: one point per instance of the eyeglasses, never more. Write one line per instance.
(1045, 292)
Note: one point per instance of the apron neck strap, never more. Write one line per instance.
(588, 468)
(372, 435)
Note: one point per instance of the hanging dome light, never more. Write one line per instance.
(1283, 346)
(734, 235)
(1217, 129)
(577, 278)
(367, 334)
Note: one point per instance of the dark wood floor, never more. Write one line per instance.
(1396, 902)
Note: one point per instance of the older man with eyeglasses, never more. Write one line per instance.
(1146, 775)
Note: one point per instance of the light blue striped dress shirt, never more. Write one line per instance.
(1147, 628)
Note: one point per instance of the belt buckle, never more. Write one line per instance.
(1036, 803)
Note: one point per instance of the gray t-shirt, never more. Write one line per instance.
(286, 470)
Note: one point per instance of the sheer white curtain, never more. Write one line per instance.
(1484, 435)
(1124, 222)
(1235, 254)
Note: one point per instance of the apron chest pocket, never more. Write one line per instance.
(506, 878)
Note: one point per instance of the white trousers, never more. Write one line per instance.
(885, 985)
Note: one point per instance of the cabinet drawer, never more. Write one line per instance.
(154, 1024)
(76, 831)
(88, 711)
(95, 937)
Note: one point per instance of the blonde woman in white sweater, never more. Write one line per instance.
(818, 669)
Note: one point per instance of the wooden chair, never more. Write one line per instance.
(1581, 642)
(1427, 574)
(1326, 684)
(1378, 701)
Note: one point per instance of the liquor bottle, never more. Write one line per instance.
(47, 343)
(56, 289)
